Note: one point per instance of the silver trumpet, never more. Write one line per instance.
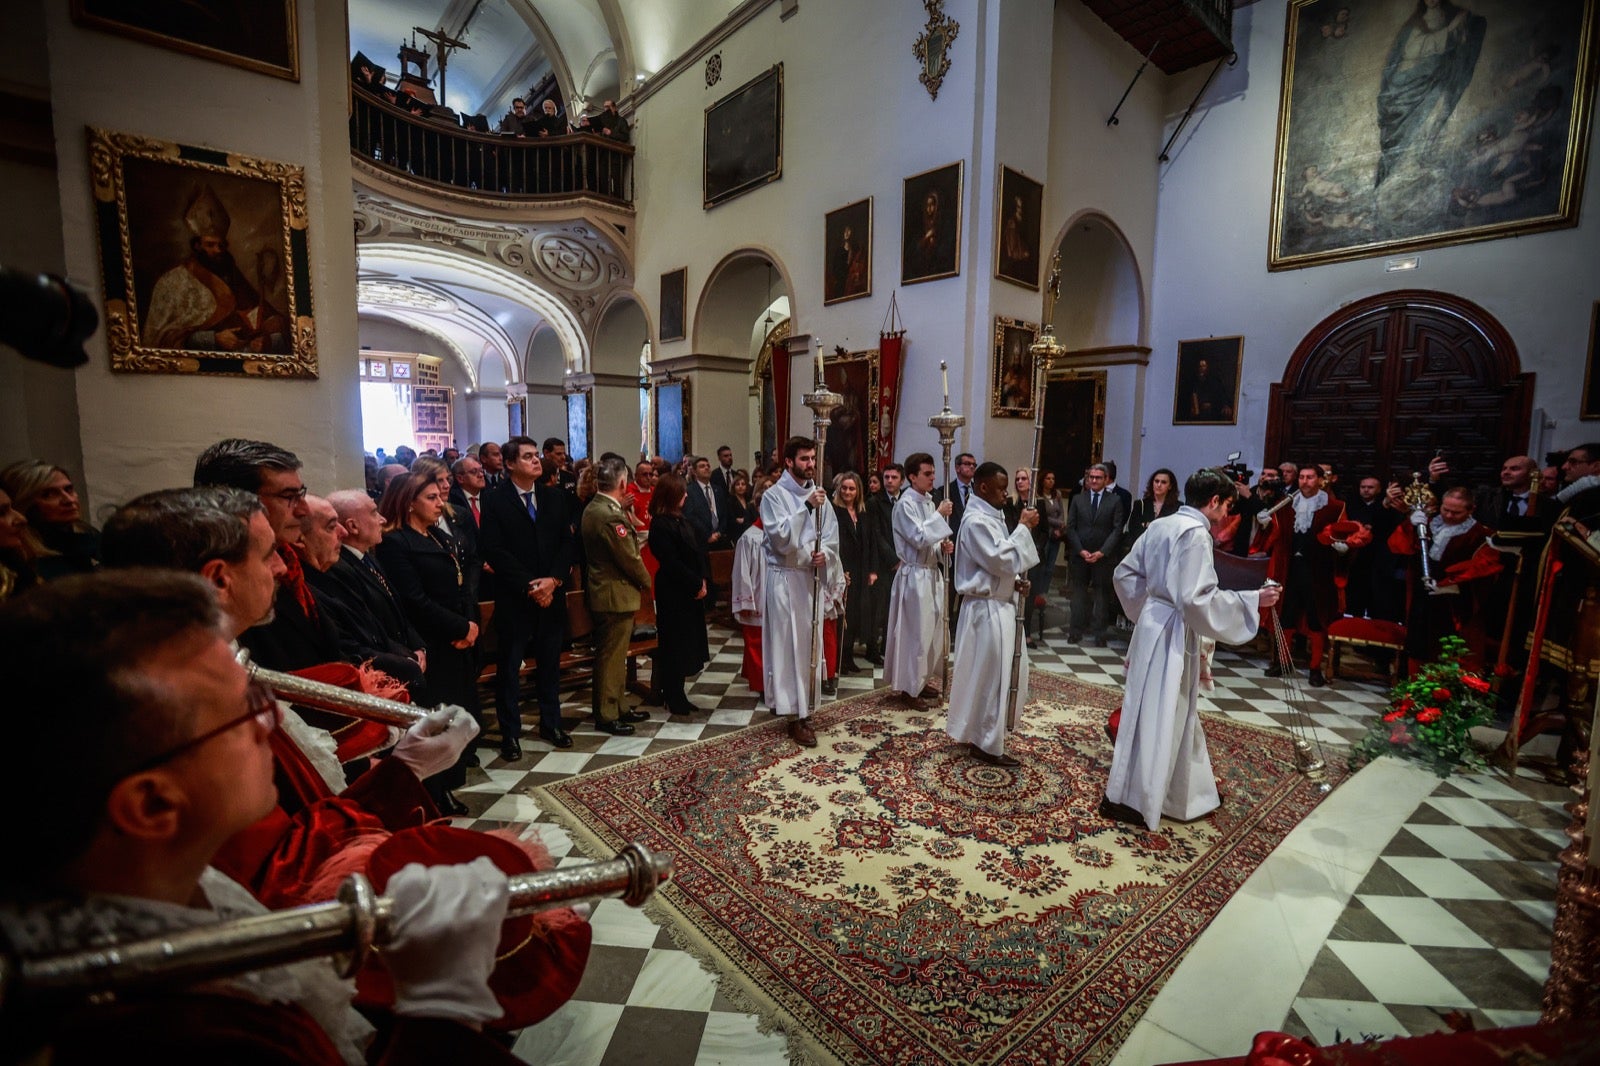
(325, 697)
(347, 929)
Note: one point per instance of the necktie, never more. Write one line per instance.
(527, 500)
(477, 515)
(377, 572)
(1514, 506)
(1094, 503)
(964, 491)
(711, 502)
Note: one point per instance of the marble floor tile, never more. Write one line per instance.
(1332, 1020)
(561, 762)
(1441, 878)
(736, 1040)
(618, 924)
(1457, 842)
(625, 746)
(1469, 811)
(575, 1035)
(657, 1037)
(513, 807)
(1397, 973)
(679, 731)
(1486, 978)
(611, 973)
(1149, 1043)
(673, 980)
(1534, 962)
(1424, 922)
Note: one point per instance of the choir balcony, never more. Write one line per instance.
(445, 158)
(1184, 33)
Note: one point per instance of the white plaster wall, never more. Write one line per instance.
(1211, 276)
(142, 432)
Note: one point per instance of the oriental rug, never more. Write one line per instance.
(886, 898)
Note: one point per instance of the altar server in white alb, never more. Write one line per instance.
(919, 634)
(991, 569)
(790, 512)
(1168, 586)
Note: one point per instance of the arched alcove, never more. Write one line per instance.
(1102, 301)
(734, 300)
(622, 328)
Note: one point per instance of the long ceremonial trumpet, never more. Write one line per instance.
(326, 697)
(347, 928)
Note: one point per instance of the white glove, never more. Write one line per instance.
(1264, 519)
(1340, 546)
(435, 743)
(446, 930)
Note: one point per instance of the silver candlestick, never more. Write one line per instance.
(822, 403)
(945, 423)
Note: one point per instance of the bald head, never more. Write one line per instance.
(358, 515)
(1516, 473)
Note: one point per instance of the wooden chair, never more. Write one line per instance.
(1349, 633)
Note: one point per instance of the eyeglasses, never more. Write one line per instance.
(289, 495)
(264, 710)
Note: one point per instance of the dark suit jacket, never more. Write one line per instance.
(521, 549)
(1101, 531)
(423, 572)
(293, 640)
(698, 513)
(351, 581)
(722, 480)
(957, 507)
(1127, 500)
(881, 558)
(1490, 509)
(464, 531)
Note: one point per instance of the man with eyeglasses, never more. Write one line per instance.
(134, 671)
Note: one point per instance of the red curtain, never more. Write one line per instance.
(780, 389)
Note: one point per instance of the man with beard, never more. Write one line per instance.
(1459, 561)
(205, 301)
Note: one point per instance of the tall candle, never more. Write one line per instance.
(944, 373)
(819, 364)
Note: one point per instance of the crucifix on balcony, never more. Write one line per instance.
(444, 43)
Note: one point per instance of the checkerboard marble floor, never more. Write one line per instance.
(1452, 913)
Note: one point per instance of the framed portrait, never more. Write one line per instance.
(851, 443)
(1208, 382)
(258, 35)
(744, 138)
(674, 284)
(1075, 432)
(672, 419)
(580, 425)
(1020, 209)
(930, 228)
(847, 252)
(1404, 126)
(1590, 409)
(204, 259)
(1011, 384)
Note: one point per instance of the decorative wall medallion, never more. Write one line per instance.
(932, 46)
(374, 292)
(567, 261)
(713, 69)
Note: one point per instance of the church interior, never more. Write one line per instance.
(1252, 238)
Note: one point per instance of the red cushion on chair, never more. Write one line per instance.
(1372, 630)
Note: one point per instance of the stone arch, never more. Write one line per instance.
(1103, 302)
(734, 297)
(621, 328)
(458, 356)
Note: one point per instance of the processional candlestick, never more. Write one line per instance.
(822, 403)
(945, 423)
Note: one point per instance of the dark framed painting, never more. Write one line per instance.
(744, 138)
(674, 284)
(258, 35)
(851, 443)
(1406, 125)
(930, 228)
(847, 247)
(1591, 369)
(580, 424)
(1208, 382)
(672, 419)
(1020, 209)
(1011, 383)
(204, 258)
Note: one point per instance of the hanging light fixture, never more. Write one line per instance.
(769, 297)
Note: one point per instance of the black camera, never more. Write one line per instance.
(1236, 469)
(45, 318)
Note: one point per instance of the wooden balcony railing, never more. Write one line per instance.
(438, 153)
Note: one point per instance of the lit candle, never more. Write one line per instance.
(819, 364)
(944, 372)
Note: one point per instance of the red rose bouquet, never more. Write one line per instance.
(1430, 716)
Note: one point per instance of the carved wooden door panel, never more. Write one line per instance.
(1384, 384)
(1074, 434)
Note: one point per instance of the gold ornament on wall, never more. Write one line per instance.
(932, 46)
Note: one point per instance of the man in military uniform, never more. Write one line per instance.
(613, 579)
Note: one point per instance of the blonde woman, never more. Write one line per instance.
(850, 508)
(56, 536)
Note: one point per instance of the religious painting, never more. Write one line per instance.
(1011, 386)
(204, 258)
(851, 443)
(580, 425)
(674, 283)
(1016, 238)
(1208, 382)
(1406, 125)
(258, 35)
(1591, 370)
(930, 228)
(672, 419)
(744, 138)
(1075, 432)
(847, 259)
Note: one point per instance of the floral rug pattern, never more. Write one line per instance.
(888, 898)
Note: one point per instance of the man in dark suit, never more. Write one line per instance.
(1095, 518)
(358, 579)
(958, 492)
(881, 559)
(527, 538)
(556, 471)
(706, 507)
(722, 476)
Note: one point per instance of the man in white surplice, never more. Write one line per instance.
(991, 568)
(919, 636)
(790, 511)
(1168, 586)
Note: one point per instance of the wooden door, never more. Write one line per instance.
(1381, 386)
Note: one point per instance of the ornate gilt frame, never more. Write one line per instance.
(84, 17)
(932, 47)
(997, 406)
(1097, 439)
(108, 154)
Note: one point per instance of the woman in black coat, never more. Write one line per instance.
(849, 507)
(681, 645)
(424, 567)
(1160, 500)
(742, 510)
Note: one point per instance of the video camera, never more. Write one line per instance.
(45, 318)
(1236, 469)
